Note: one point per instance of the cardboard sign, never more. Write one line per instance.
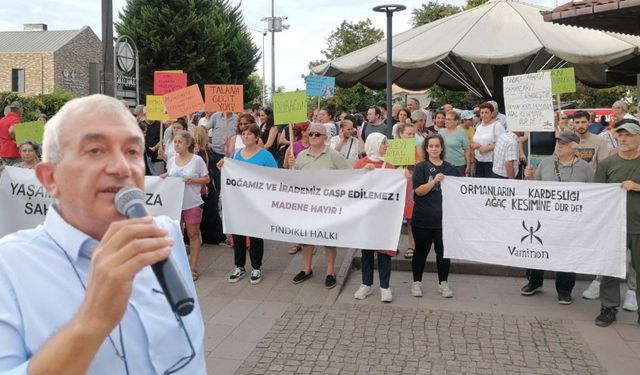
(29, 131)
(183, 102)
(401, 151)
(156, 109)
(563, 80)
(170, 71)
(164, 83)
(223, 98)
(290, 107)
(321, 86)
(528, 102)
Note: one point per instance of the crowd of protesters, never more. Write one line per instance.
(449, 142)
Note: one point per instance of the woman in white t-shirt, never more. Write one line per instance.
(484, 141)
(346, 143)
(193, 171)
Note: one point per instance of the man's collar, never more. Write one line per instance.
(70, 239)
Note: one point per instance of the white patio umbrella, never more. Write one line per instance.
(474, 49)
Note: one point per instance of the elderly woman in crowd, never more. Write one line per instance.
(404, 116)
(376, 148)
(301, 142)
(347, 142)
(484, 141)
(438, 122)
(251, 153)
(456, 144)
(427, 214)
(194, 172)
(29, 154)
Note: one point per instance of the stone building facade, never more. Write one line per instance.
(42, 61)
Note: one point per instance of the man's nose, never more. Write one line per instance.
(119, 164)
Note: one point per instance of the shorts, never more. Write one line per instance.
(192, 216)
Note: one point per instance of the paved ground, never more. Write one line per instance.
(276, 327)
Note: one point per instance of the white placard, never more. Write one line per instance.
(346, 208)
(529, 102)
(25, 201)
(557, 226)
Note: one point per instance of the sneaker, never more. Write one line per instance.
(416, 289)
(593, 291)
(330, 281)
(385, 295)
(237, 274)
(362, 292)
(630, 303)
(302, 276)
(606, 317)
(443, 289)
(256, 277)
(564, 298)
(529, 289)
(226, 243)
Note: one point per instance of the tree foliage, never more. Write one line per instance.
(473, 3)
(432, 11)
(49, 104)
(588, 97)
(207, 39)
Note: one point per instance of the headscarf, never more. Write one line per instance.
(372, 146)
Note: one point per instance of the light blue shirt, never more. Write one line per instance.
(40, 293)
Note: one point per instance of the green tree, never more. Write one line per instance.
(346, 38)
(474, 3)
(432, 11)
(207, 39)
(588, 97)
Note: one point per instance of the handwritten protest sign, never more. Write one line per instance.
(332, 208)
(223, 98)
(321, 86)
(183, 102)
(164, 83)
(25, 201)
(528, 102)
(169, 71)
(401, 151)
(527, 223)
(563, 80)
(289, 107)
(29, 131)
(155, 108)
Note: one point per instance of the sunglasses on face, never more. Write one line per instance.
(315, 134)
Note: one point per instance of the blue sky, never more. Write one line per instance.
(310, 22)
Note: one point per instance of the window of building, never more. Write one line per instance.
(17, 80)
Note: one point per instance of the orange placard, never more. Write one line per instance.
(183, 102)
(223, 98)
(164, 83)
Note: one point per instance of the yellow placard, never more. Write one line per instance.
(156, 109)
(401, 151)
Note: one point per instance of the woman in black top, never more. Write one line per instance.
(426, 222)
(268, 131)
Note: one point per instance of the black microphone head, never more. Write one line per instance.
(127, 197)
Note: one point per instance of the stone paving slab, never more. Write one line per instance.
(387, 339)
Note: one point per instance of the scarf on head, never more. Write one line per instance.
(372, 146)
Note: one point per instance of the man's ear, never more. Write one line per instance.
(45, 174)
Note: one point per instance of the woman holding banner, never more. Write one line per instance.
(426, 222)
(376, 148)
(251, 153)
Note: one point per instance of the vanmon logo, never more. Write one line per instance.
(531, 233)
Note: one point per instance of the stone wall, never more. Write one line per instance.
(38, 71)
(71, 62)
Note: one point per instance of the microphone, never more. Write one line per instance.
(130, 202)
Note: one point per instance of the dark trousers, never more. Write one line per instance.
(384, 268)
(484, 169)
(610, 286)
(565, 281)
(424, 237)
(213, 170)
(256, 250)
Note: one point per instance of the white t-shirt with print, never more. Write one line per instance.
(195, 168)
(486, 135)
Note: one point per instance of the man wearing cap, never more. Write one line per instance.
(623, 168)
(563, 165)
(9, 153)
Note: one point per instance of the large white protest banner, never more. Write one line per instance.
(557, 226)
(528, 102)
(25, 201)
(346, 208)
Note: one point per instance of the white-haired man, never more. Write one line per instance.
(76, 293)
(9, 154)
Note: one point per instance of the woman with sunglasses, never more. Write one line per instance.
(426, 221)
(376, 148)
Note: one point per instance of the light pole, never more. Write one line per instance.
(264, 73)
(274, 25)
(108, 87)
(389, 9)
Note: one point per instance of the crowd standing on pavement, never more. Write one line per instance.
(449, 142)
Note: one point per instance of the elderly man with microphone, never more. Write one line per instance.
(100, 287)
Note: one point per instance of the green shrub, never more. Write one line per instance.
(34, 105)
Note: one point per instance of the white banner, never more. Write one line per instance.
(347, 208)
(557, 226)
(25, 201)
(528, 102)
